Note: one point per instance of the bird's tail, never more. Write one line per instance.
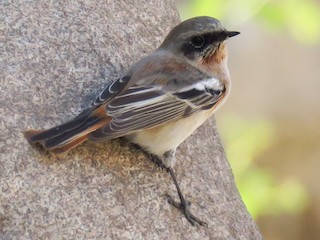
(64, 137)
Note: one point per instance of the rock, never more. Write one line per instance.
(55, 57)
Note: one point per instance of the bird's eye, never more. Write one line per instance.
(197, 41)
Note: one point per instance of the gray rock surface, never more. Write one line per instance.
(55, 57)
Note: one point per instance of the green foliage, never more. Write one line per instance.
(301, 18)
(246, 139)
(261, 192)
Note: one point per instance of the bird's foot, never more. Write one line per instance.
(184, 208)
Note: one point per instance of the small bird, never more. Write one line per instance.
(159, 101)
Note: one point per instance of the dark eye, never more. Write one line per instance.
(197, 41)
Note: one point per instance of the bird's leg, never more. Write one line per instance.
(183, 205)
(168, 161)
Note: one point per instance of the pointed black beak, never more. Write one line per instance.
(224, 34)
(231, 33)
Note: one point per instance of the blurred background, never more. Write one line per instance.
(270, 124)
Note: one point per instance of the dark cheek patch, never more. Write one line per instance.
(188, 51)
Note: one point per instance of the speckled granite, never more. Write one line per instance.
(55, 57)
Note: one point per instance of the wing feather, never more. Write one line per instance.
(111, 90)
(146, 107)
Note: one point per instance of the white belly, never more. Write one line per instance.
(167, 137)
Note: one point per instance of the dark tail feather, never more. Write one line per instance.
(66, 147)
(62, 138)
(30, 134)
(68, 136)
(34, 136)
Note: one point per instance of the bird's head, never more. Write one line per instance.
(199, 39)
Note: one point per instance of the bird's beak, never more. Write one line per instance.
(231, 33)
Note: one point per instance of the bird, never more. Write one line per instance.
(158, 102)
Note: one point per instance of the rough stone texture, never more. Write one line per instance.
(55, 56)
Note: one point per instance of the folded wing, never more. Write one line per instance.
(143, 107)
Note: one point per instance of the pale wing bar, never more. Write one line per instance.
(200, 98)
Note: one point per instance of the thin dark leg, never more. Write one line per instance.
(183, 205)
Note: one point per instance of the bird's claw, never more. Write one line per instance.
(184, 208)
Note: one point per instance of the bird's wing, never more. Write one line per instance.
(113, 89)
(163, 97)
